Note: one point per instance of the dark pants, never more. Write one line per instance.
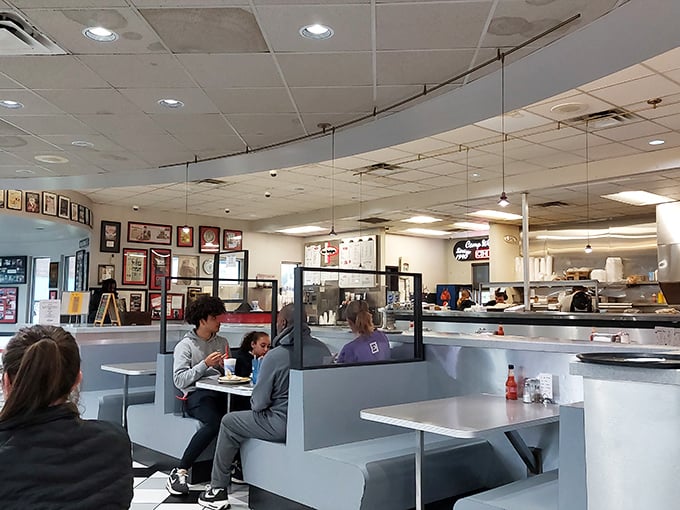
(208, 407)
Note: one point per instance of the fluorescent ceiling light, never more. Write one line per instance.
(641, 231)
(495, 215)
(469, 225)
(421, 219)
(100, 34)
(638, 198)
(316, 31)
(427, 232)
(307, 229)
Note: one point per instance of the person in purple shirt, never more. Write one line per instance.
(371, 344)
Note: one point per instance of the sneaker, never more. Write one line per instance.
(177, 482)
(237, 474)
(214, 498)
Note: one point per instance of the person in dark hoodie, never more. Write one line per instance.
(269, 403)
(199, 354)
(50, 458)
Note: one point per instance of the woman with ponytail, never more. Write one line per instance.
(49, 457)
(371, 344)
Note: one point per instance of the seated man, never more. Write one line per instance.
(269, 403)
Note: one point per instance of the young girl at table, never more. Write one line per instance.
(199, 354)
(254, 345)
(371, 344)
(50, 458)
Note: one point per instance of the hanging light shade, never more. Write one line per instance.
(588, 248)
(503, 200)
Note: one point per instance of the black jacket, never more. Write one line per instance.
(243, 368)
(56, 460)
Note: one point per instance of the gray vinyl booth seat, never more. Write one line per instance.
(334, 460)
(160, 425)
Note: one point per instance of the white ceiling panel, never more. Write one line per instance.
(146, 100)
(52, 124)
(139, 71)
(665, 62)
(33, 104)
(234, 70)
(334, 99)
(126, 124)
(90, 101)
(326, 69)
(421, 67)
(67, 4)
(641, 89)
(53, 72)
(252, 100)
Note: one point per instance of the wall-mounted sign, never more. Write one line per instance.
(471, 249)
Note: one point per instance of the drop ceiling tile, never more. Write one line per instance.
(65, 27)
(613, 150)
(393, 33)
(467, 135)
(139, 71)
(33, 104)
(641, 89)
(311, 121)
(19, 144)
(53, 72)
(114, 161)
(351, 24)
(514, 121)
(420, 67)
(21, 171)
(326, 69)
(672, 139)
(67, 4)
(183, 3)
(425, 146)
(251, 100)
(101, 143)
(556, 160)
(89, 101)
(115, 124)
(7, 159)
(630, 131)
(228, 71)
(334, 99)
(264, 129)
(163, 156)
(386, 155)
(194, 99)
(7, 128)
(579, 104)
(51, 125)
(671, 121)
(666, 61)
(145, 142)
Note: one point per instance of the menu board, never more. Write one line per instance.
(13, 270)
(347, 253)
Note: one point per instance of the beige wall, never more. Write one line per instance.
(504, 245)
(426, 256)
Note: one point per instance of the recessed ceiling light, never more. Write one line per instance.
(51, 158)
(657, 142)
(24, 171)
(100, 34)
(469, 225)
(475, 174)
(638, 198)
(82, 143)
(495, 215)
(427, 232)
(171, 103)
(307, 229)
(421, 219)
(316, 31)
(12, 105)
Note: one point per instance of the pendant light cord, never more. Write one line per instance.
(186, 195)
(333, 180)
(502, 57)
(587, 184)
(467, 181)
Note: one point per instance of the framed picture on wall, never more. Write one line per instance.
(81, 214)
(88, 216)
(174, 310)
(109, 237)
(134, 266)
(149, 233)
(185, 239)
(135, 300)
(8, 305)
(208, 239)
(64, 207)
(232, 240)
(54, 294)
(187, 269)
(49, 201)
(74, 212)
(32, 202)
(160, 262)
(2, 198)
(105, 272)
(54, 275)
(14, 199)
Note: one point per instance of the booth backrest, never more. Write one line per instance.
(166, 392)
(324, 404)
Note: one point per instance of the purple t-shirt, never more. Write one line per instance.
(373, 347)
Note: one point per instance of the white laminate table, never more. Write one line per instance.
(211, 383)
(130, 369)
(465, 417)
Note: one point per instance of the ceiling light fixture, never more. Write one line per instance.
(421, 219)
(306, 229)
(588, 248)
(12, 105)
(171, 103)
(316, 31)
(51, 158)
(657, 142)
(490, 214)
(639, 198)
(503, 200)
(186, 229)
(427, 232)
(100, 34)
(82, 143)
(470, 225)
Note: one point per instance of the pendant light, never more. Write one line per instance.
(588, 248)
(503, 200)
(332, 232)
(186, 229)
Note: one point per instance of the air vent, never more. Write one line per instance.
(18, 37)
(381, 169)
(373, 220)
(554, 203)
(603, 119)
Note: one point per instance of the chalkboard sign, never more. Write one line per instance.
(13, 270)
(107, 304)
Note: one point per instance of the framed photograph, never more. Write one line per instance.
(2, 198)
(54, 294)
(160, 263)
(193, 293)
(185, 239)
(49, 201)
(80, 271)
(13, 270)
(74, 212)
(174, 310)
(149, 233)
(186, 269)
(231, 240)
(88, 216)
(54, 275)
(105, 272)
(64, 207)
(135, 300)
(134, 266)
(14, 199)
(8, 305)
(32, 202)
(81, 214)
(208, 239)
(109, 237)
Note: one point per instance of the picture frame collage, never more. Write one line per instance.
(47, 204)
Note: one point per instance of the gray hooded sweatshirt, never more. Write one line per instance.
(269, 401)
(189, 359)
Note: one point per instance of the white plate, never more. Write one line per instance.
(233, 380)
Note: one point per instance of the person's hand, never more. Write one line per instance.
(214, 359)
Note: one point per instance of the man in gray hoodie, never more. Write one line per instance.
(269, 415)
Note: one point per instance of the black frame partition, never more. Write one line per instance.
(163, 345)
(298, 293)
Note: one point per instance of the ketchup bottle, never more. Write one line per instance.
(511, 384)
